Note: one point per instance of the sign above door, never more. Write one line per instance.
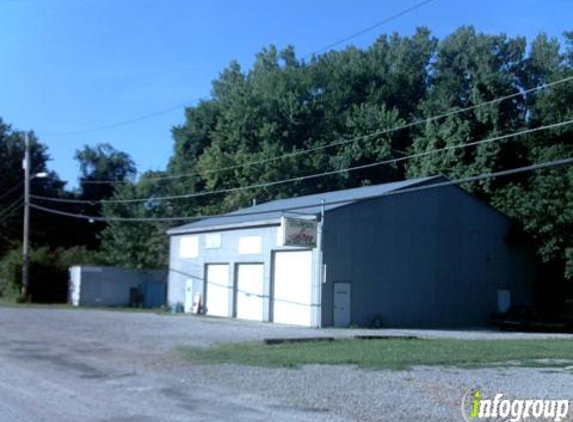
(298, 232)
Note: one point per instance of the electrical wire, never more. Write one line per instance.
(118, 124)
(370, 28)
(307, 177)
(12, 189)
(344, 141)
(234, 289)
(178, 106)
(483, 176)
(9, 211)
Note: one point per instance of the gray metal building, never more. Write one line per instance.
(91, 285)
(428, 258)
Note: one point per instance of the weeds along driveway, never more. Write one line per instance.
(91, 365)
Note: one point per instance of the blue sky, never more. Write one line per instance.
(71, 65)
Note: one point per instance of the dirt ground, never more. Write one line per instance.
(91, 365)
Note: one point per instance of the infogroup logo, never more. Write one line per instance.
(475, 406)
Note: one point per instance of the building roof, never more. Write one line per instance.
(310, 205)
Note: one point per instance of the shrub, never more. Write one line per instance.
(79, 255)
(48, 272)
(11, 274)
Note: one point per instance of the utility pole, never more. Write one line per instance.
(26, 240)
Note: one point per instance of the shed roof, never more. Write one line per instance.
(271, 212)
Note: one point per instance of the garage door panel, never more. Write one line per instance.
(292, 295)
(218, 291)
(250, 291)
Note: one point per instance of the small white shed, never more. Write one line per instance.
(112, 286)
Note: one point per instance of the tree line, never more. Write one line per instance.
(283, 104)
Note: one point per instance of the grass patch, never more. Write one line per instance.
(9, 303)
(388, 354)
(12, 304)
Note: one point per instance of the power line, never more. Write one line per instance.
(8, 212)
(370, 28)
(483, 176)
(118, 124)
(178, 106)
(235, 289)
(344, 141)
(12, 189)
(307, 177)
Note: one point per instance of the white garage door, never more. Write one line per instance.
(293, 288)
(250, 290)
(217, 291)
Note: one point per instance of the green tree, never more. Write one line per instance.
(543, 201)
(283, 105)
(471, 68)
(103, 163)
(138, 245)
(102, 169)
(12, 189)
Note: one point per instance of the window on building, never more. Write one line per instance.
(188, 247)
(213, 241)
(250, 245)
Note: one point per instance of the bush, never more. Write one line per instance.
(79, 255)
(11, 274)
(48, 272)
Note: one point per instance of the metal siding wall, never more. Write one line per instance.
(228, 253)
(106, 287)
(430, 258)
(109, 286)
(175, 289)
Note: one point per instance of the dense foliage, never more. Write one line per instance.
(48, 272)
(284, 104)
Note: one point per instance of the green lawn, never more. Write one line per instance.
(8, 303)
(391, 354)
(12, 304)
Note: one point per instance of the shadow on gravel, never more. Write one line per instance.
(183, 399)
(61, 361)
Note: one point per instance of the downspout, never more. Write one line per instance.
(320, 271)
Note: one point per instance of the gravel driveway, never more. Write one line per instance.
(88, 365)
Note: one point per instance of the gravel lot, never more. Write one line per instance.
(88, 365)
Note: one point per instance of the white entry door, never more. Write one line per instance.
(250, 290)
(189, 295)
(217, 289)
(341, 304)
(503, 300)
(292, 294)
